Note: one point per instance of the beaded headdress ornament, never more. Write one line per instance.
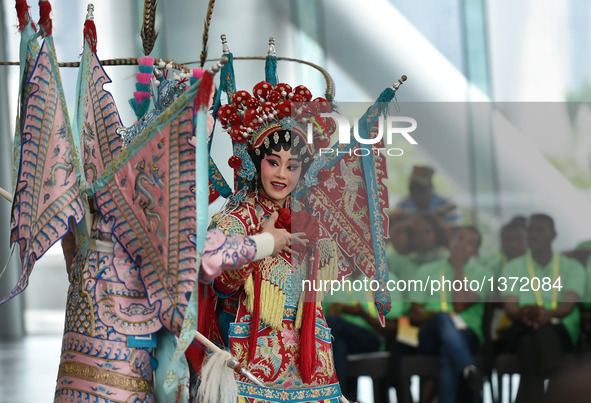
(258, 120)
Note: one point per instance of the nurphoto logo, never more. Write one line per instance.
(387, 129)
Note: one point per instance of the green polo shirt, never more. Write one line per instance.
(365, 299)
(399, 264)
(494, 263)
(441, 300)
(405, 266)
(586, 299)
(563, 274)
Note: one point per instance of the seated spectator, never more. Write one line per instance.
(544, 313)
(513, 244)
(398, 239)
(422, 197)
(427, 240)
(353, 321)
(415, 239)
(451, 321)
(398, 242)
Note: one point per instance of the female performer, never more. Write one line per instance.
(289, 348)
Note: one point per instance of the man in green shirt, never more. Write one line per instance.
(426, 241)
(541, 291)
(450, 317)
(352, 317)
(513, 244)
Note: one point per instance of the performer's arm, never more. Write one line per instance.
(234, 251)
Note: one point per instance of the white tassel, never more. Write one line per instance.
(217, 380)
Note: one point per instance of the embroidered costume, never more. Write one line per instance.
(133, 199)
(289, 346)
(275, 358)
(114, 306)
(272, 325)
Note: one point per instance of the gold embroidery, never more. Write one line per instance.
(170, 378)
(187, 335)
(104, 377)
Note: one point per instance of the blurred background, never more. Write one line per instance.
(508, 82)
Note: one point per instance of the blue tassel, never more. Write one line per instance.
(139, 109)
(227, 85)
(271, 70)
(227, 78)
(142, 87)
(384, 100)
(387, 95)
(146, 69)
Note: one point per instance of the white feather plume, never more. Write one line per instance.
(217, 380)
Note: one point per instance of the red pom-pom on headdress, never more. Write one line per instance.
(253, 117)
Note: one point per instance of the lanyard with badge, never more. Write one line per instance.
(532, 275)
(444, 305)
(458, 321)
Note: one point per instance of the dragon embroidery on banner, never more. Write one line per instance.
(60, 166)
(41, 212)
(129, 202)
(145, 181)
(351, 199)
(351, 191)
(67, 166)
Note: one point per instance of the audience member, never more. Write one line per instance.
(427, 240)
(422, 197)
(355, 326)
(542, 306)
(451, 321)
(513, 244)
(416, 238)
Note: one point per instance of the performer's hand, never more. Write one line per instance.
(282, 237)
(299, 239)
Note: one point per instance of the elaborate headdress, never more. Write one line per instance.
(258, 120)
(253, 118)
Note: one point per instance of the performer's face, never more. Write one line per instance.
(280, 172)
